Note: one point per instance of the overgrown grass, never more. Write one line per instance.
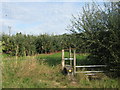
(44, 71)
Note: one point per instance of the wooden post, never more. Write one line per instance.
(74, 62)
(16, 54)
(70, 56)
(63, 61)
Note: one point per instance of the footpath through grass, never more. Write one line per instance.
(44, 71)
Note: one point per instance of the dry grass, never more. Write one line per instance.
(30, 72)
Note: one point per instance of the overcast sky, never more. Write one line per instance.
(38, 17)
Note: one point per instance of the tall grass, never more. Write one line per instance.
(44, 71)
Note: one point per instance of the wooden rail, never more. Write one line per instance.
(89, 72)
(68, 58)
(91, 66)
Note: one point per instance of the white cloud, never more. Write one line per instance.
(38, 17)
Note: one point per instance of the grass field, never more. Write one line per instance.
(44, 71)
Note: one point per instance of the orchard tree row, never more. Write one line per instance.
(24, 45)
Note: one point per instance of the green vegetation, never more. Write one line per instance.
(26, 45)
(0, 47)
(37, 72)
(29, 61)
(96, 31)
(99, 30)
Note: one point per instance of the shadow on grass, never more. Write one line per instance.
(82, 60)
(88, 60)
(51, 60)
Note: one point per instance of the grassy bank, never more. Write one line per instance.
(44, 71)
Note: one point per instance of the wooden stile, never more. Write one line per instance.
(73, 65)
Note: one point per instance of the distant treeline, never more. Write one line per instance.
(24, 45)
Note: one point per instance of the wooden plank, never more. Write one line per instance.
(68, 59)
(90, 72)
(63, 62)
(74, 61)
(70, 56)
(68, 67)
(93, 66)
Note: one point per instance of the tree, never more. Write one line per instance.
(100, 29)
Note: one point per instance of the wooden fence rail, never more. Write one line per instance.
(73, 59)
(92, 66)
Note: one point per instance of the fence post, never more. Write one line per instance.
(63, 61)
(70, 56)
(74, 62)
